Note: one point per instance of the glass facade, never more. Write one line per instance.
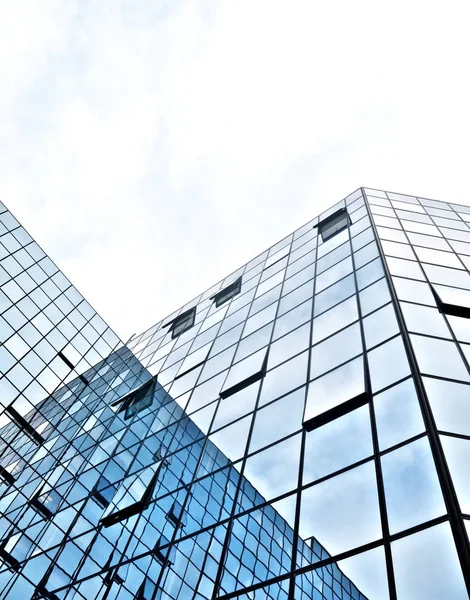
(298, 431)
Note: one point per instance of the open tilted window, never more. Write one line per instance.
(182, 322)
(46, 503)
(177, 515)
(132, 497)
(163, 552)
(333, 224)
(335, 394)
(137, 400)
(227, 293)
(104, 492)
(244, 373)
(452, 301)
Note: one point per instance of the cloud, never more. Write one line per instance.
(153, 148)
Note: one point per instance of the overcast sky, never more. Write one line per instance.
(153, 147)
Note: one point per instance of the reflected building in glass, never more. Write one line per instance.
(299, 431)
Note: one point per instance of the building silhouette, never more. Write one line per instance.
(299, 431)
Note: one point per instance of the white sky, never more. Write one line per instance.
(153, 147)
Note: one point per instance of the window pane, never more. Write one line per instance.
(388, 363)
(343, 511)
(336, 318)
(337, 444)
(450, 405)
(380, 325)
(335, 350)
(439, 357)
(457, 452)
(336, 387)
(427, 567)
(412, 491)
(397, 414)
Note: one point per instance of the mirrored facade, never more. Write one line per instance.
(298, 431)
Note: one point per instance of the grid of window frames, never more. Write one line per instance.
(297, 442)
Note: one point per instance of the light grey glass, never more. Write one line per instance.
(426, 566)
(275, 471)
(236, 406)
(336, 318)
(397, 414)
(260, 319)
(231, 440)
(336, 387)
(356, 228)
(298, 279)
(333, 257)
(227, 339)
(420, 228)
(283, 379)
(409, 216)
(276, 256)
(245, 368)
(405, 268)
(214, 318)
(265, 300)
(219, 363)
(270, 283)
(335, 350)
(280, 265)
(369, 273)
(374, 296)
(423, 319)
(380, 325)
(451, 295)
(461, 247)
(391, 234)
(337, 444)
(300, 264)
(194, 359)
(457, 453)
(414, 291)
(400, 206)
(398, 250)
(333, 274)
(184, 383)
(428, 241)
(368, 572)
(388, 363)
(298, 296)
(203, 417)
(446, 276)
(450, 405)
(334, 294)
(366, 254)
(293, 319)
(234, 319)
(439, 357)
(362, 240)
(453, 234)
(412, 491)
(438, 257)
(389, 222)
(289, 345)
(206, 392)
(254, 342)
(385, 210)
(332, 243)
(343, 511)
(278, 420)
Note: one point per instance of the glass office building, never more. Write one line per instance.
(299, 431)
